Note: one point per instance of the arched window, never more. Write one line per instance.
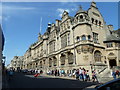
(70, 58)
(99, 23)
(54, 61)
(92, 20)
(81, 16)
(83, 37)
(50, 62)
(96, 22)
(62, 58)
(97, 56)
(78, 38)
(89, 37)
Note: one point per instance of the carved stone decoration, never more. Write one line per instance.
(91, 49)
(85, 48)
(78, 49)
(85, 57)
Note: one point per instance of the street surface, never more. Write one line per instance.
(20, 80)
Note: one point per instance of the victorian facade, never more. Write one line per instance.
(72, 42)
(16, 63)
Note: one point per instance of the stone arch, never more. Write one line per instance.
(97, 56)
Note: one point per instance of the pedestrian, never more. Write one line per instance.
(114, 74)
(56, 72)
(84, 74)
(117, 73)
(94, 77)
(77, 74)
(87, 75)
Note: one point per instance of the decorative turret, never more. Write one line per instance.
(81, 16)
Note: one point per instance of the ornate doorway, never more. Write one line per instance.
(112, 63)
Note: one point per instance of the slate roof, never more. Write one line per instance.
(112, 38)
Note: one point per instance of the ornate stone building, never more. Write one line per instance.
(16, 63)
(72, 42)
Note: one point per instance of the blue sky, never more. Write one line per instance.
(21, 21)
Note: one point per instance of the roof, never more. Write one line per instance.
(112, 38)
(80, 11)
(117, 32)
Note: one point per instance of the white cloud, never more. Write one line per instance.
(60, 11)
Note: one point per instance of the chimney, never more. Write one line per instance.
(110, 27)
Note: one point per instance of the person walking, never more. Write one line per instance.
(87, 75)
(114, 74)
(77, 74)
(94, 77)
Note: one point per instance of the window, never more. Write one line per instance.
(44, 61)
(62, 58)
(97, 56)
(50, 62)
(89, 37)
(54, 61)
(78, 38)
(83, 37)
(52, 46)
(70, 58)
(68, 39)
(92, 20)
(63, 41)
(96, 22)
(99, 23)
(110, 44)
(81, 16)
(95, 37)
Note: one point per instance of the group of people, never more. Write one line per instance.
(79, 74)
(83, 74)
(115, 73)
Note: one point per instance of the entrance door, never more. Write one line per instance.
(112, 63)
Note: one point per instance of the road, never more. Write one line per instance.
(20, 80)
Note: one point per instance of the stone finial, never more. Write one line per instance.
(80, 7)
(93, 4)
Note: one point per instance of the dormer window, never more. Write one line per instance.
(83, 37)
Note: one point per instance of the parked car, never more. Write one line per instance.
(111, 85)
